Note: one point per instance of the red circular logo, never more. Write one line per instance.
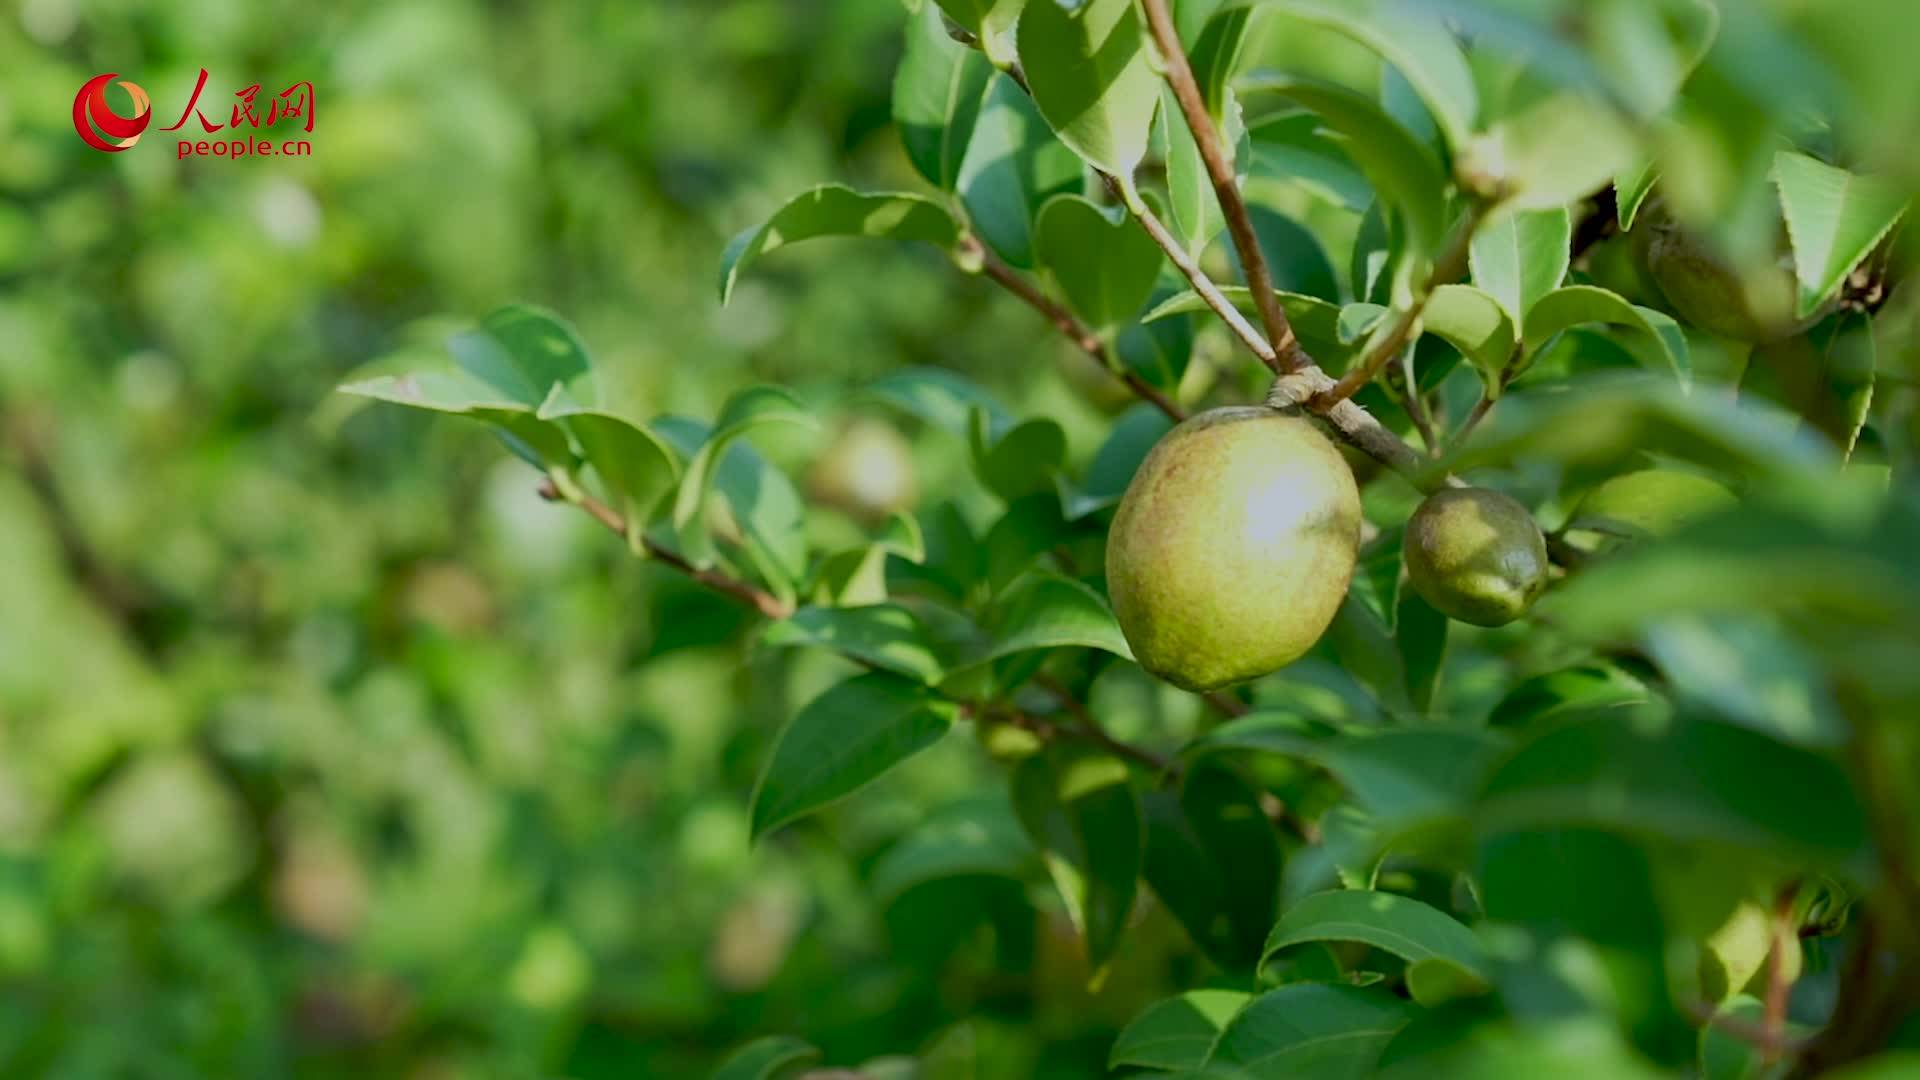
(115, 132)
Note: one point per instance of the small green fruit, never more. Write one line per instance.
(1755, 304)
(1476, 556)
(1233, 546)
(867, 472)
(1651, 502)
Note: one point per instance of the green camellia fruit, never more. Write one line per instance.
(1476, 556)
(1754, 304)
(1651, 502)
(867, 472)
(1233, 546)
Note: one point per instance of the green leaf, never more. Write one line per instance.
(1530, 151)
(769, 1058)
(1834, 220)
(636, 465)
(836, 210)
(1475, 323)
(1128, 441)
(1188, 882)
(1224, 812)
(1176, 1033)
(1399, 775)
(992, 21)
(885, 636)
(978, 836)
(1750, 671)
(1414, 42)
(1012, 167)
(844, 739)
(1159, 351)
(1323, 1031)
(1401, 167)
(747, 409)
(1416, 932)
(1080, 808)
(524, 352)
(1020, 462)
(1294, 255)
(1046, 611)
(1197, 218)
(1420, 631)
(1631, 186)
(945, 399)
(1104, 264)
(1553, 695)
(937, 96)
(1216, 55)
(1090, 75)
(1519, 256)
(1291, 148)
(1695, 780)
(1315, 321)
(761, 500)
(1654, 337)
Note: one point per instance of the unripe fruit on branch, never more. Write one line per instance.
(1233, 546)
(867, 472)
(1476, 556)
(1744, 303)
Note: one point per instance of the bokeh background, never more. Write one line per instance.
(326, 747)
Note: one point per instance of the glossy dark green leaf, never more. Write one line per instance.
(1132, 436)
(1475, 323)
(1416, 932)
(1188, 882)
(637, 466)
(837, 210)
(1552, 695)
(945, 399)
(1046, 611)
(976, 836)
(1420, 632)
(745, 410)
(1021, 461)
(885, 636)
(1176, 1033)
(1292, 148)
(1294, 255)
(844, 739)
(1312, 1029)
(1224, 812)
(1079, 806)
(760, 503)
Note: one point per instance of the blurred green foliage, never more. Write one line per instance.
(328, 748)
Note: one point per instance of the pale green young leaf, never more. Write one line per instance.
(1478, 325)
(1835, 219)
(1011, 167)
(1414, 931)
(937, 95)
(883, 636)
(1178, 1032)
(1518, 256)
(1653, 337)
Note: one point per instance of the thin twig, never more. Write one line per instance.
(1408, 385)
(1478, 413)
(1086, 727)
(747, 593)
(1745, 1030)
(1076, 331)
(1449, 268)
(1226, 704)
(1785, 935)
(1226, 188)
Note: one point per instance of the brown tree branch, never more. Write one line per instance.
(747, 593)
(1087, 728)
(1226, 187)
(1450, 267)
(1076, 331)
(1785, 935)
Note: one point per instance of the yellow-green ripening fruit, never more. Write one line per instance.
(1476, 556)
(1651, 502)
(1233, 546)
(1747, 303)
(867, 472)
